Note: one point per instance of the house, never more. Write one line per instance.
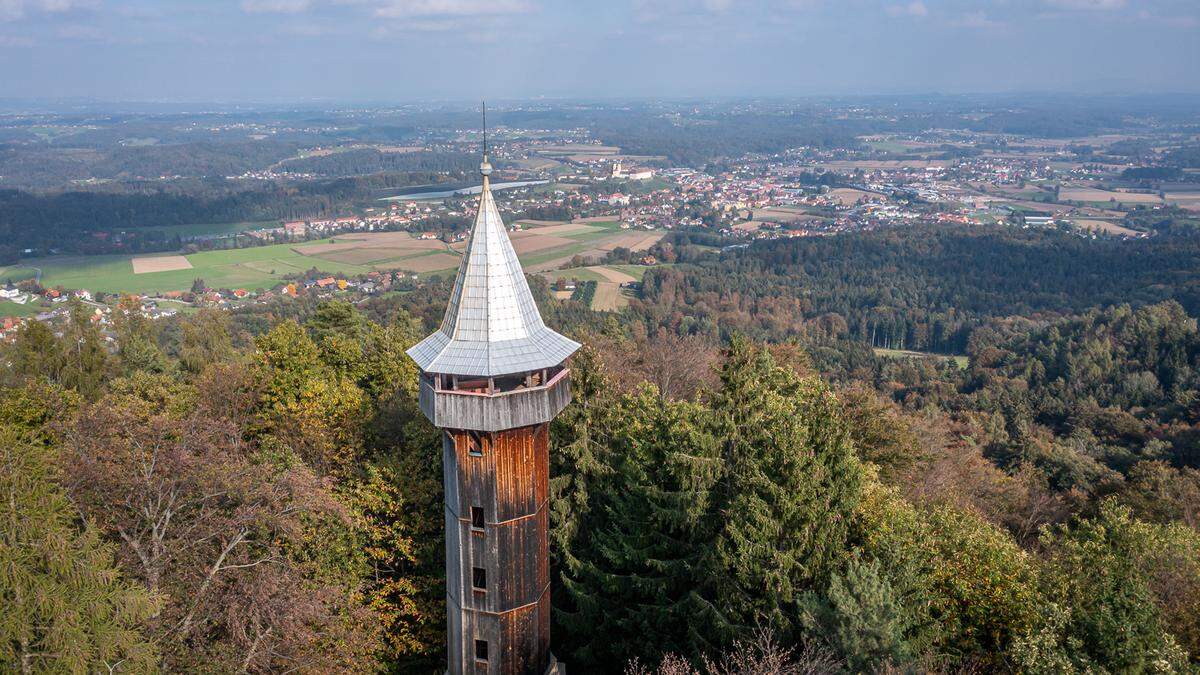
(10, 292)
(240, 293)
(326, 282)
(295, 228)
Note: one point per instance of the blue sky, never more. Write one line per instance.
(403, 50)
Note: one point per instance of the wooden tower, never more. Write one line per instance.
(492, 378)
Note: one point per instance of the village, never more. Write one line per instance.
(575, 182)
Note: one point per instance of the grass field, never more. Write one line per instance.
(13, 309)
(240, 268)
(1087, 194)
(610, 296)
(1103, 226)
(263, 266)
(960, 361)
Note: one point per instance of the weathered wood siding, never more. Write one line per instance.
(510, 482)
(480, 412)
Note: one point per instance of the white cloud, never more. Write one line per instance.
(11, 10)
(977, 19)
(1088, 5)
(81, 32)
(1181, 21)
(401, 9)
(646, 11)
(914, 8)
(15, 41)
(276, 6)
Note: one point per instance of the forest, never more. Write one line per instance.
(922, 288)
(257, 491)
(63, 221)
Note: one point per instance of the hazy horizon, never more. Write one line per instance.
(300, 51)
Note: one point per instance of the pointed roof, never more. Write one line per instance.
(492, 325)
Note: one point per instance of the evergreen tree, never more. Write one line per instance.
(715, 516)
(65, 605)
(789, 484)
(1100, 569)
(861, 617)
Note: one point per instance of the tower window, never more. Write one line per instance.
(479, 578)
(477, 517)
(481, 650)
(475, 441)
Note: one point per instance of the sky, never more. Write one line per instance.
(419, 50)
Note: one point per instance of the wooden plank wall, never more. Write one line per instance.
(510, 481)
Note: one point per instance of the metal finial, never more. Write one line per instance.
(485, 130)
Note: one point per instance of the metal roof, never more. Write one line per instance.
(492, 326)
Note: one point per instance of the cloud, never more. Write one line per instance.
(11, 10)
(914, 8)
(276, 6)
(402, 9)
(81, 32)
(15, 41)
(978, 19)
(1088, 5)
(1182, 21)
(646, 11)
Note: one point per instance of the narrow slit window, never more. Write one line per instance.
(479, 578)
(477, 517)
(481, 650)
(475, 443)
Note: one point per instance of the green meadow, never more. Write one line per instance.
(237, 268)
(13, 309)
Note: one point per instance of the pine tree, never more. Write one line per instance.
(715, 516)
(790, 484)
(65, 606)
(861, 617)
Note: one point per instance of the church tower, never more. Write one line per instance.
(492, 378)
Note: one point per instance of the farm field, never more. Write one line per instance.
(263, 266)
(237, 268)
(610, 296)
(783, 214)
(1092, 225)
(8, 308)
(850, 196)
(160, 263)
(1186, 200)
(1087, 194)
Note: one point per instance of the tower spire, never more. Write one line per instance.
(485, 169)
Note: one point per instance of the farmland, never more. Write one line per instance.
(610, 293)
(545, 247)
(1087, 194)
(1093, 225)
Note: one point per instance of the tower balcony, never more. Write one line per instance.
(495, 403)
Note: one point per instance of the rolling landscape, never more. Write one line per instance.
(735, 337)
